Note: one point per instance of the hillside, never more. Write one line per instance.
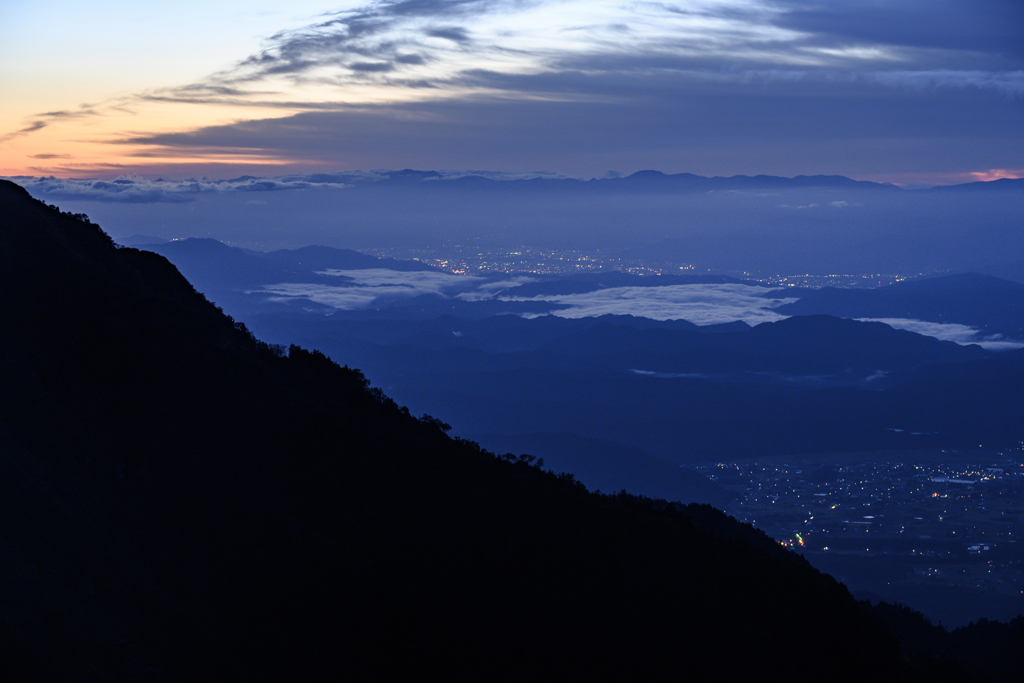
(182, 501)
(992, 305)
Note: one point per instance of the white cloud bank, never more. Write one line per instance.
(374, 287)
(134, 189)
(489, 289)
(415, 282)
(703, 304)
(954, 332)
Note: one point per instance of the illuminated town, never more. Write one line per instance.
(468, 259)
(920, 519)
(838, 281)
(474, 259)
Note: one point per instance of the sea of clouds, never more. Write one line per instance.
(132, 189)
(701, 304)
(954, 332)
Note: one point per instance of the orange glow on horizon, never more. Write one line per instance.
(100, 142)
(927, 178)
(997, 174)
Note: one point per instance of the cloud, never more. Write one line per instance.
(134, 189)
(414, 282)
(40, 121)
(1010, 83)
(30, 128)
(581, 85)
(585, 123)
(996, 174)
(504, 44)
(489, 289)
(343, 298)
(373, 287)
(352, 45)
(671, 375)
(455, 34)
(368, 67)
(986, 27)
(702, 304)
(954, 332)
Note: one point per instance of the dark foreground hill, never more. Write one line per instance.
(181, 502)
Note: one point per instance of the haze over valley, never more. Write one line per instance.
(765, 226)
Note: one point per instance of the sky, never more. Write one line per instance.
(919, 92)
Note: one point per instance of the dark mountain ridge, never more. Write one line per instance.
(993, 305)
(230, 275)
(183, 501)
(640, 180)
(809, 384)
(647, 182)
(999, 185)
(607, 466)
(233, 268)
(645, 179)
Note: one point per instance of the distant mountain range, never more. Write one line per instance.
(757, 224)
(646, 179)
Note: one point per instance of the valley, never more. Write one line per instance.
(938, 529)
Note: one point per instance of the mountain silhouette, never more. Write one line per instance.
(183, 501)
(992, 305)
